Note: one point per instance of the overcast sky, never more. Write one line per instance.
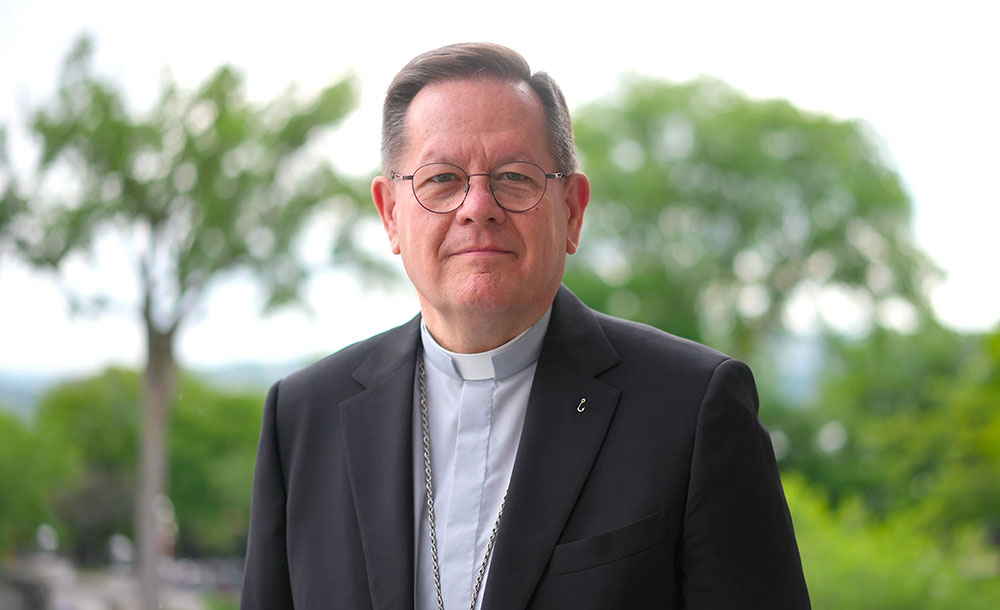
(923, 75)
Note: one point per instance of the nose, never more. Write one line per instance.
(479, 205)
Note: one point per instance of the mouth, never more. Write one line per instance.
(482, 251)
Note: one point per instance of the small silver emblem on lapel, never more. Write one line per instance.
(580, 408)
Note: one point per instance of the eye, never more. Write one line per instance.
(513, 177)
(443, 178)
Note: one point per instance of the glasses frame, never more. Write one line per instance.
(468, 184)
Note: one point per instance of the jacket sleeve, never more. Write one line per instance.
(738, 548)
(266, 584)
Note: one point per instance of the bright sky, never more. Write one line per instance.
(922, 74)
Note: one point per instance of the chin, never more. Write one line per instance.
(487, 293)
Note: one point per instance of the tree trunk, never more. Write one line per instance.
(159, 383)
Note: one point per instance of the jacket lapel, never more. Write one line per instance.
(377, 433)
(558, 446)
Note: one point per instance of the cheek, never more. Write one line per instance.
(421, 237)
(550, 235)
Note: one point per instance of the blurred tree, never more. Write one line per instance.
(717, 217)
(212, 445)
(204, 185)
(10, 203)
(95, 419)
(712, 211)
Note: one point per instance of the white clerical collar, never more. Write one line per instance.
(499, 362)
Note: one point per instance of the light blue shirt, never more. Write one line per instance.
(476, 405)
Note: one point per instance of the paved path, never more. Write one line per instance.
(113, 589)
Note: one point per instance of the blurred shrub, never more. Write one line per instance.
(918, 419)
(212, 449)
(853, 559)
(31, 467)
(88, 429)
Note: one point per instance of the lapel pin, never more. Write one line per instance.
(580, 408)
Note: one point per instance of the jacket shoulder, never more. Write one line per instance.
(635, 341)
(336, 374)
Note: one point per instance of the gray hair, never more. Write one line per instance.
(467, 61)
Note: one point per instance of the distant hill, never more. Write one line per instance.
(248, 376)
(21, 391)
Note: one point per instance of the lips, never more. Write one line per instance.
(483, 254)
(477, 247)
(483, 250)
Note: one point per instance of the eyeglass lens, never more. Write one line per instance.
(442, 187)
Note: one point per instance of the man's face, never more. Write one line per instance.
(481, 260)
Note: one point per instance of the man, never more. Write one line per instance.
(509, 448)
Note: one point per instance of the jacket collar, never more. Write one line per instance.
(378, 442)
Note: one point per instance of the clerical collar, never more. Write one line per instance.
(499, 362)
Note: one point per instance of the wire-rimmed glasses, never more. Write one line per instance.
(442, 188)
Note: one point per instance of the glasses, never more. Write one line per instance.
(442, 187)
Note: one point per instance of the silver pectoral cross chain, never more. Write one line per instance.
(430, 502)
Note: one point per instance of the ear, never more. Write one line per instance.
(384, 196)
(577, 193)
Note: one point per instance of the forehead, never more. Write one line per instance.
(476, 121)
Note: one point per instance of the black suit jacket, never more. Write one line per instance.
(663, 493)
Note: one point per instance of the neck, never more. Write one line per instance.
(473, 334)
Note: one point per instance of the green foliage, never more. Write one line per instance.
(853, 559)
(874, 390)
(96, 420)
(922, 427)
(213, 445)
(205, 183)
(963, 487)
(711, 210)
(31, 466)
(93, 423)
(220, 602)
(11, 204)
(96, 416)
